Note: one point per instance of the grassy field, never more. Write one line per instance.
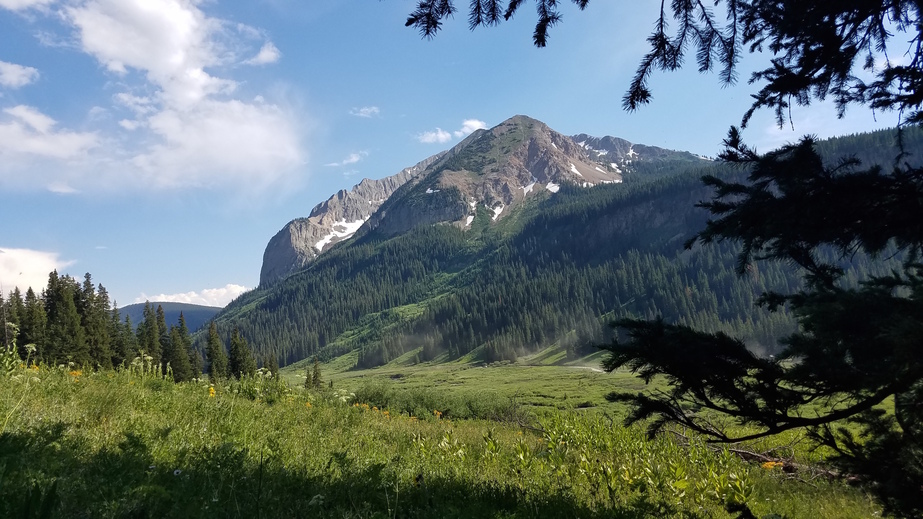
(126, 444)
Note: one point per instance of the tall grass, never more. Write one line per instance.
(130, 444)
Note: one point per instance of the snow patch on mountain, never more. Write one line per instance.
(554, 188)
(341, 229)
(497, 210)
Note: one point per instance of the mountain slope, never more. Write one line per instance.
(331, 221)
(550, 269)
(494, 170)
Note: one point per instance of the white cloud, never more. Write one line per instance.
(180, 125)
(437, 136)
(32, 133)
(365, 111)
(24, 268)
(221, 142)
(441, 136)
(17, 5)
(351, 159)
(15, 76)
(269, 53)
(61, 188)
(209, 296)
(469, 126)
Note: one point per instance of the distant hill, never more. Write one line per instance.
(196, 315)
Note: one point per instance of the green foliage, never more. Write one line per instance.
(316, 381)
(857, 344)
(241, 361)
(116, 444)
(216, 355)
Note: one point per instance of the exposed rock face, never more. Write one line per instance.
(488, 175)
(492, 171)
(331, 221)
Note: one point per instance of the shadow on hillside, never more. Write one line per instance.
(225, 481)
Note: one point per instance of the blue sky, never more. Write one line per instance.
(160, 144)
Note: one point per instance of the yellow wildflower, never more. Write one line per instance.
(769, 465)
(211, 391)
(76, 373)
(437, 413)
(307, 404)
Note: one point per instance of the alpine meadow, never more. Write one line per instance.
(527, 323)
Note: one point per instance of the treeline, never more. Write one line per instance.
(76, 325)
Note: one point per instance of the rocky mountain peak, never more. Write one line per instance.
(489, 175)
(298, 243)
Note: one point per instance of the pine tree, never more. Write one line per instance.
(216, 355)
(271, 364)
(33, 325)
(163, 337)
(148, 335)
(308, 378)
(241, 358)
(176, 357)
(316, 380)
(66, 340)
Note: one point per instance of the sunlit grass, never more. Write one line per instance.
(118, 444)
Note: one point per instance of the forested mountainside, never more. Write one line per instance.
(555, 271)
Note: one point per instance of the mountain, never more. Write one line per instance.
(195, 315)
(492, 171)
(421, 280)
(331, 221)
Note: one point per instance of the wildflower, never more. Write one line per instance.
(769, 465)
(375, 408)
(307, 404)
(211, 391)
(76, 373)
(437, 413)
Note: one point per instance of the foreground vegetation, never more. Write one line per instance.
(131, 444)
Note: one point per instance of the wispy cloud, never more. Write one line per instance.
(269, 53)
(365, 111)
(351, 159)
(19, 5)
(436, 136)
(24, 268)
(209, 296)
(469, 126)
(28, 132)
(440, 136)
(15, 76)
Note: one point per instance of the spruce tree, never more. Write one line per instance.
(241, 359)
(176, 357)
(65, 334)
(148, 335)
(216, 356)
(163, 337)
(316, 380)
(33, 325)
(308, 378)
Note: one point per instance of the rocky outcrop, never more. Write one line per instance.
(491, 172)
(331, 221)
